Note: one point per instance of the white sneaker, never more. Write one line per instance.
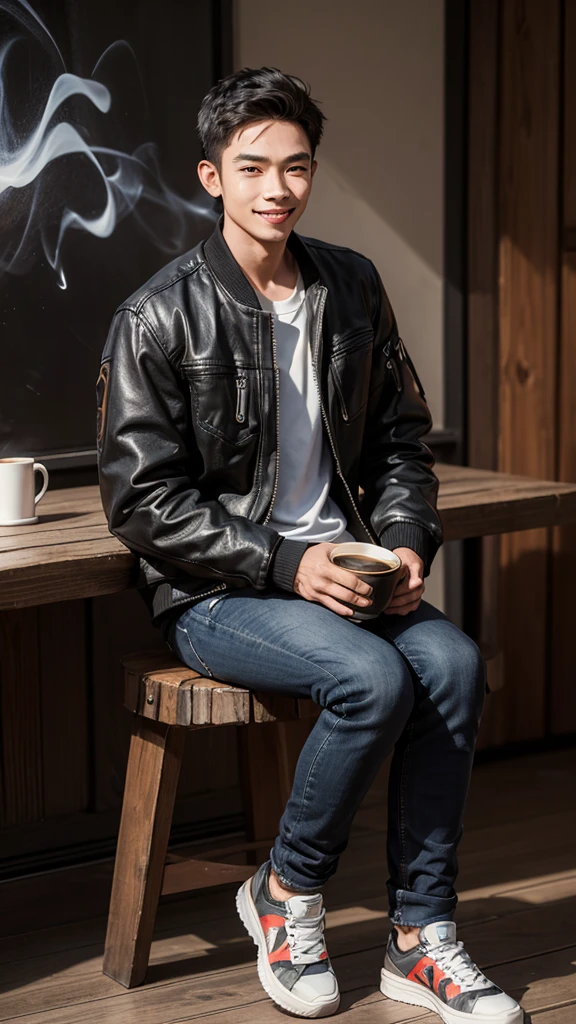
(293, 963)
(439, 974)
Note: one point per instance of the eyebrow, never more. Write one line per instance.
(266, 160)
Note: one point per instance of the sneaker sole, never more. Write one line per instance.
(404, 991)
(283, 997)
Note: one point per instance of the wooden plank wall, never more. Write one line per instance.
(64, 733)
(21, 717)
(563, 655)
(528, 225)
(482, 326)
(522, 359)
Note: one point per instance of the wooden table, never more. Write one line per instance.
(70, 552)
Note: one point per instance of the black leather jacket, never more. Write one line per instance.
(188, 415)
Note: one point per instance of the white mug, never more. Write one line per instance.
(17, 501)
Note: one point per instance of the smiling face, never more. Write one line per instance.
(265, 178)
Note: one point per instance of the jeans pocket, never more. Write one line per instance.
(187, 652)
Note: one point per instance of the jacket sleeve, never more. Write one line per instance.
(147, 461)
(396, 468)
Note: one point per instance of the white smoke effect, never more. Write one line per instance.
(134, 176)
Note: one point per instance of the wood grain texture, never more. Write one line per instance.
(216, 703)
(519, 928)
(530, 106)
(482, 311)
(563, 569)
(528, 298)
(152, 778)
(563, 652)
(569, 147)
(69, 573)
(201, 874)
(482, 317)
(160, 687)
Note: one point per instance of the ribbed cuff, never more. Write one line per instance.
(286, 561)
(409, 535)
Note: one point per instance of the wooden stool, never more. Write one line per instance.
(168, 699)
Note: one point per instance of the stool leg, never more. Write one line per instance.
(268, 755)
(152, 777)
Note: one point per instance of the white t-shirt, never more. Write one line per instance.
(302, 509)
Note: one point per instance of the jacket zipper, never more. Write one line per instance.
(241, 395)
(401, 349)
(277, 390)
(325, 418)
(391, 365)
(214, 590)
(198, 597)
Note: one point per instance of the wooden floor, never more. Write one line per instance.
(517, 914)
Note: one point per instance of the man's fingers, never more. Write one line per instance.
(408, 584)
(344, 594)
(347, 580)
(329, 602)
(335, 606)
(400, 600)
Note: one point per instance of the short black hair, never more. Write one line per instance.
(255, 94)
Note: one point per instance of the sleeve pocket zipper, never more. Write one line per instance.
(391, 365)
(241, 397)
(404, 355)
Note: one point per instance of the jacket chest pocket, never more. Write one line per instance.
(351, 369)
(225, 403)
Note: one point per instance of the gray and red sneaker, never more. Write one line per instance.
(439, 974)
(293, 963)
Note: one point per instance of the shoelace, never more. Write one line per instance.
(455, 961)
(305, 937)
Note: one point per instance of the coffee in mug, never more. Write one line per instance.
(17, 499)
(379, 567)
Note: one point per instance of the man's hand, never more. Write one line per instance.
(409, 590)
(318, 579)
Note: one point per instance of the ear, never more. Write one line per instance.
(208, 174)
(313, 167)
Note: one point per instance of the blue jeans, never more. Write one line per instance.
(411, 684)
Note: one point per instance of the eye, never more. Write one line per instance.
(249, 168)
(297, 168)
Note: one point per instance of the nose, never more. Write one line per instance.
(275, 186)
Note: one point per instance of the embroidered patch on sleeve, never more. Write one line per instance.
(102, 398)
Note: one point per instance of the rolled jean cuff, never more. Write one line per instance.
(292, 883)
(416, 909)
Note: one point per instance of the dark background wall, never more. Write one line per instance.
(120, 152)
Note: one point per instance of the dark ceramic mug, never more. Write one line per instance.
(379, 567)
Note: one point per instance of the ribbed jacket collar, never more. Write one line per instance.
(229, 272)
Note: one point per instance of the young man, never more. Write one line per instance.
(246, 393)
